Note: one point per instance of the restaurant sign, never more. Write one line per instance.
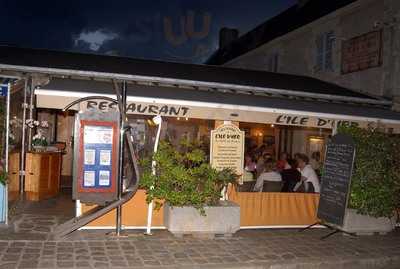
(219, 113)
(298, 120)
(140, 108)
(362, 52)
(227, 148)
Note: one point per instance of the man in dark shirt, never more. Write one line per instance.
(290, 176)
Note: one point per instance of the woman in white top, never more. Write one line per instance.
(308, 174)
(268, 175)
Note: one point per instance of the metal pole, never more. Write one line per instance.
(121, 156)
(157, 120)
(7, 148)
(31, 99)
(23, 147)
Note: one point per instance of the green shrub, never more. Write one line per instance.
(375, 183)
(183, 177)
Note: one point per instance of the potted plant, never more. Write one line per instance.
(375, 182)
(39, 141)
(190, 190)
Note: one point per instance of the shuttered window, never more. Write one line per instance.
(272, 62)
(324, 44)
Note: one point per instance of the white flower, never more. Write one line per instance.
(29, 123)
(36, 123)
(44, 124)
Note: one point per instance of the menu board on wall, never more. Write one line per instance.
(227, 148)
(362, 52)
(336, 179)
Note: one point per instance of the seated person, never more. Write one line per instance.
(247, 176)
(308, 175)
(260, 163)
(315, 162)
(267, 175)
(249, 164)
(283, 163)
(290, 177)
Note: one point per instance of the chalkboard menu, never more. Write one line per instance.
(336, 178)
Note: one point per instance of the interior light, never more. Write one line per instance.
(187, 118)
(178, 118)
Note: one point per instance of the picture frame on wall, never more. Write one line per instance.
(269, 140)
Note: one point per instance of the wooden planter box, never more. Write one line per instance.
(223, 219)
(366, 225)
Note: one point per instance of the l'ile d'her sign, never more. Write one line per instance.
(336, 180)
(227, 148)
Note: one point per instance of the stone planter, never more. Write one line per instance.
(366, 225)
(223, 219)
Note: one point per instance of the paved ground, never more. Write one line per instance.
(28, 244)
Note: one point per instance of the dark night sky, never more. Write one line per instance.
(131, 28)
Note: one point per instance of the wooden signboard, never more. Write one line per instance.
(362, 52)
(336, 180)
(227, 148)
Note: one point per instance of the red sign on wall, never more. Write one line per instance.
(362, 52)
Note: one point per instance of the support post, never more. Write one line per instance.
(31, 100)
(158, 121)
(122, 107)
(23, 142)
(7, 149)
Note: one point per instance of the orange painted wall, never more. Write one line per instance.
(134, 213)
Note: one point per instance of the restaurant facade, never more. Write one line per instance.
(283, 113)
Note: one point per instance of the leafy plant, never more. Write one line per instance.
(39, 142)
(375, 185)
(183, 177)
(3, 177)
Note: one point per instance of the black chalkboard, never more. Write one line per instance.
(336, 178)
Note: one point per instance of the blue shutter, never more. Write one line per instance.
(329, 42)
(272, 63)
(276, 62)
(319, 60)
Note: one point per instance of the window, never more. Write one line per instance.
(324, 52)
(272, 62)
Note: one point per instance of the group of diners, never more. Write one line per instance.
(297, 174)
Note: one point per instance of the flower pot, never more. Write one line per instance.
(39, 148)
(223, 219)
(366, 225)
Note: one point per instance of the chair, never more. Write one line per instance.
(247, 186)
(272, 186)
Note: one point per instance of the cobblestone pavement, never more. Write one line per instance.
(247, 249)
(28, 243)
